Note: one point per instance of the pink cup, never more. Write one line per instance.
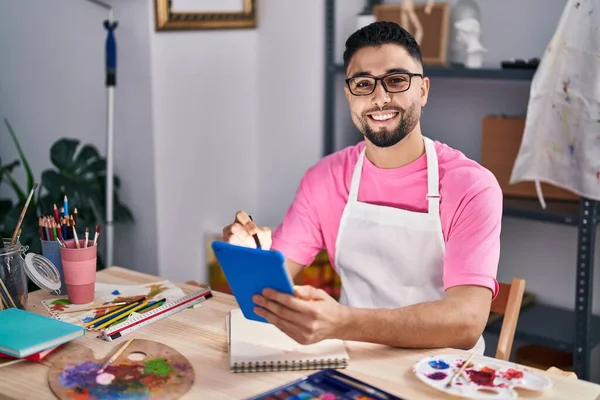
(79, 267)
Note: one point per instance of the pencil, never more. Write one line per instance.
(126, 314)
(150, 306)
(115, 356)
(122, 303)
(113, 313)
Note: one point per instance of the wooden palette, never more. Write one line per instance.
(145, 370)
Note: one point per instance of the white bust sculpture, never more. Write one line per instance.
(468, 32)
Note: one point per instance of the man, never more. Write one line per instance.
(411, 226)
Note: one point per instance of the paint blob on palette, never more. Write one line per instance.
(146, 370)
(481, 379)
(122, 381)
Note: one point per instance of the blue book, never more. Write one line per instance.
(23, 333)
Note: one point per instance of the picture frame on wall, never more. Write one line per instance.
(204, 14)
(434, 45)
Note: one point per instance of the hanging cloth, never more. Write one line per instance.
(561, 140)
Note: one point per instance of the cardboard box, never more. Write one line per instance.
(500, 143)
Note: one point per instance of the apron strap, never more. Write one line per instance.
(433, 181)
(355, 183)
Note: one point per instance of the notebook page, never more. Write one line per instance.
(253, 341)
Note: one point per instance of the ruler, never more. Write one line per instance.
(156, 314)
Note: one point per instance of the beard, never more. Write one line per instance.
(385, 137)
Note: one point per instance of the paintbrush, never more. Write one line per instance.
(18, 227)
(460, 370)
(122, 303)
(7, 297)
(114, 356)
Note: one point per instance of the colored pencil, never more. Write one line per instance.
(114, 356)
(105, 317)
(148, 307)
(20, 222)
(122, 303)
(124, 315)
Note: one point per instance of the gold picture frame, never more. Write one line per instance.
(170, 17)
(435, 26)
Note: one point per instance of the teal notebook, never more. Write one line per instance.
(23, 333)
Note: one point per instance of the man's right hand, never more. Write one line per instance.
(241, 230)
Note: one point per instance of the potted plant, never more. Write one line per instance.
(78, 172)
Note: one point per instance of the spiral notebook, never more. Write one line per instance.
(259, 347)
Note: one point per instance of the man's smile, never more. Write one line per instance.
(383, 117)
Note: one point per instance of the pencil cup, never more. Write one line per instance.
(79, 267)
(51, 250)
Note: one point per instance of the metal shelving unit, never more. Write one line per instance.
(577, 331)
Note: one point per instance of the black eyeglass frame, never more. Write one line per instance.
(409, 74)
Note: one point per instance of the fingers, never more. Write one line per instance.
(242, 218)
(265, 237)
(241, 232)
(290, 328)
(307, 292)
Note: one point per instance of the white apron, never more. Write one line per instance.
(561, 140)
(389, 257)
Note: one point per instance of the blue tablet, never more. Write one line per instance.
(249, 271)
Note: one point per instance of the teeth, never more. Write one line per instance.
(382, 117)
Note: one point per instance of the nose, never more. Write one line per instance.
(380, 96)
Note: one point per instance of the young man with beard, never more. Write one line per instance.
(411, 225)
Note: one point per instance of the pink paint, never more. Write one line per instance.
(105, 378)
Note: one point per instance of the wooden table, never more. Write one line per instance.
(199, 334)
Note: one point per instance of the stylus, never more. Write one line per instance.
(255, 236)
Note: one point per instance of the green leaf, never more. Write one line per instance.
(19, 192)
(28, 172)
(61, 154)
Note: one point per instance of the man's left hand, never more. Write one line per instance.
(308, 317)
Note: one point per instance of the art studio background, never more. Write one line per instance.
(211, 121)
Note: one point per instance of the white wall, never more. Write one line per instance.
(52, 86)
(291, 80)
(205, 110)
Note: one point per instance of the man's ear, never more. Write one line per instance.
(347, 92)
(424, 92)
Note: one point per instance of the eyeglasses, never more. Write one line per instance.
(396, 82)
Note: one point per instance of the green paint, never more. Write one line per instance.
(158, 366)
(61, 301)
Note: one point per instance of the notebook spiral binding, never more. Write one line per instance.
(271, 366)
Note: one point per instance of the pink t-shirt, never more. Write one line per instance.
(470, 208)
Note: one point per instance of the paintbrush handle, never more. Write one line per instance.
(460, 370)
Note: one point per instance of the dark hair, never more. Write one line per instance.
(379, 33)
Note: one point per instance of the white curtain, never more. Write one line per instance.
(561, 141)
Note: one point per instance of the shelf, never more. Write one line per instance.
(560, 212)
(549, 326)
(451, 71)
